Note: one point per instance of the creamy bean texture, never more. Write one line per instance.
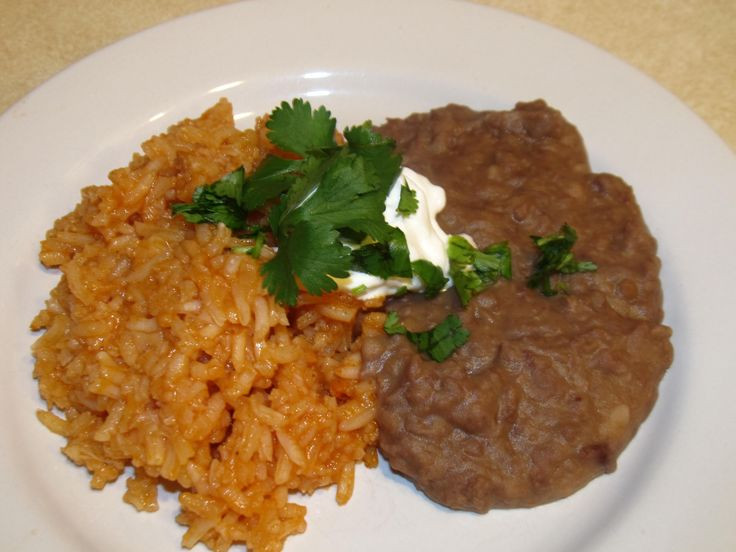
(549, 390)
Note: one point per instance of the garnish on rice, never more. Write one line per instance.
(328, 194)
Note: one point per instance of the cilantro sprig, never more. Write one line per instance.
(555, 257)
(316, 194)
(472, 270)
(438, 343)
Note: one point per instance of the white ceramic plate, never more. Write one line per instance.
(674, 489)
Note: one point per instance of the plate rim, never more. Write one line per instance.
(17, 109)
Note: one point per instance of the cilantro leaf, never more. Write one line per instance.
(473, 270)
(231, 185)
(432, 277)
(408, 203)
(363, 136)
(274, 215)
(383, 163)
(555, 257)
(437, 343)
(384, 259)
(299, 129)
(272, 177)
(217, 202)
(312, 253)
(354, 236)
(342, 195)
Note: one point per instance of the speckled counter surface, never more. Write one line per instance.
(688, 46)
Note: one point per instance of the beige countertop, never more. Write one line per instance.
(688, 46)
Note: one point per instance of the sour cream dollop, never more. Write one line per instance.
(424, 237)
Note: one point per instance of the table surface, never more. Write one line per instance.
(688, 46)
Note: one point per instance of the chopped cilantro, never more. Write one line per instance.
(555, 257)
(254, 250)
(432, 277)
(442, 340)
(472, 270)
(359, 290)
(408, 203)
(437, 343)
(403, 290)
(393, 325)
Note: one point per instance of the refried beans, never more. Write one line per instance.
(548, 390)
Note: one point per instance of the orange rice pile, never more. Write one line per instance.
(163, 352)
